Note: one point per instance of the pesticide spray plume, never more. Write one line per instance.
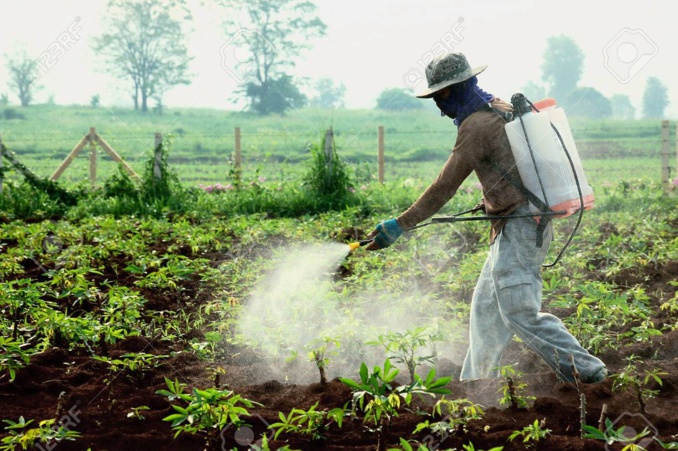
(300, 305)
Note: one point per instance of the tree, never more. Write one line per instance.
(398, 99)
(655, 98)
(24, 76)
(330, 95)
(144, 43)
(622, 107)
(263, 45)
(563, 65)
(587, 102)
(280, 94)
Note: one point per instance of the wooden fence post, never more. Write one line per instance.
(238, 150)
(328, 147)
(665, 155)
(92, 155)
(380, 157)
(157, 164)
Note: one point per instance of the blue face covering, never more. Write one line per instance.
(464, 99)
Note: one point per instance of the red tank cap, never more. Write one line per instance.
(545, 104)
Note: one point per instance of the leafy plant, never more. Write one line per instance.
(512, 391)
(611, 435)
(46, 433)
(205, 411)
(456, 412)
(327, 176)
(13, 356)
(631, 380)
(532, 434)
(383, 400)
(405, 347)
(309, 422)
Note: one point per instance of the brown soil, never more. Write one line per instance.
(58, 382)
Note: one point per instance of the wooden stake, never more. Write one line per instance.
(74, 153)
(328, 146)
(665, 156)
(238, 150)
(109, 150)
(157, 164)
(601, 420)
(380, 157)
(92, 155)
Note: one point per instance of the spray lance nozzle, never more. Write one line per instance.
(357, 244)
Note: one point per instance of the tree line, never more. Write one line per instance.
(143, 43)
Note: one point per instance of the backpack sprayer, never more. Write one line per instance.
(551, 174)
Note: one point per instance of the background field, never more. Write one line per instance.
(417, 143)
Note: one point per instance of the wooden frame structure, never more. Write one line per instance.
(93, 140)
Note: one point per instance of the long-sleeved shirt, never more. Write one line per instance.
(482, 146)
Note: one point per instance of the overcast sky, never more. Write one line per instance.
(375, 44)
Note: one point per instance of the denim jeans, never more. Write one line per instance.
(507, 302)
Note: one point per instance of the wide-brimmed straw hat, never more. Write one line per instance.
(447, 70)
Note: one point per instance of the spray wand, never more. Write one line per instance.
(357, 244)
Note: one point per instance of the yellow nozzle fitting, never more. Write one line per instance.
(357, 244)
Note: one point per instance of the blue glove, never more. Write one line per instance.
(387, 232)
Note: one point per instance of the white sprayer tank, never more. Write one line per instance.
(549, 161)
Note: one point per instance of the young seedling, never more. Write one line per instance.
(532, 434)
(320, 355)
(405, 347)
(309, 422)
(631, 380)
(456, 412)
(205, 411)
(384, 401)
(46, 433)
(512, 391)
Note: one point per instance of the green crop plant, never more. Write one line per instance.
(405, 347)
(313, 423)
(13, 356)
(512, 391)
(320, 352)
(611, 435)
(45, 434)
(456, 412)
(375, 396)
(532, 434)
(631, 380)
(133, 364)
(206, 411)
(136, 412)
(407, 446)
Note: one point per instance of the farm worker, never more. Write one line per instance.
(507, 297)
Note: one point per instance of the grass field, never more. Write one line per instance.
(417, 143)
